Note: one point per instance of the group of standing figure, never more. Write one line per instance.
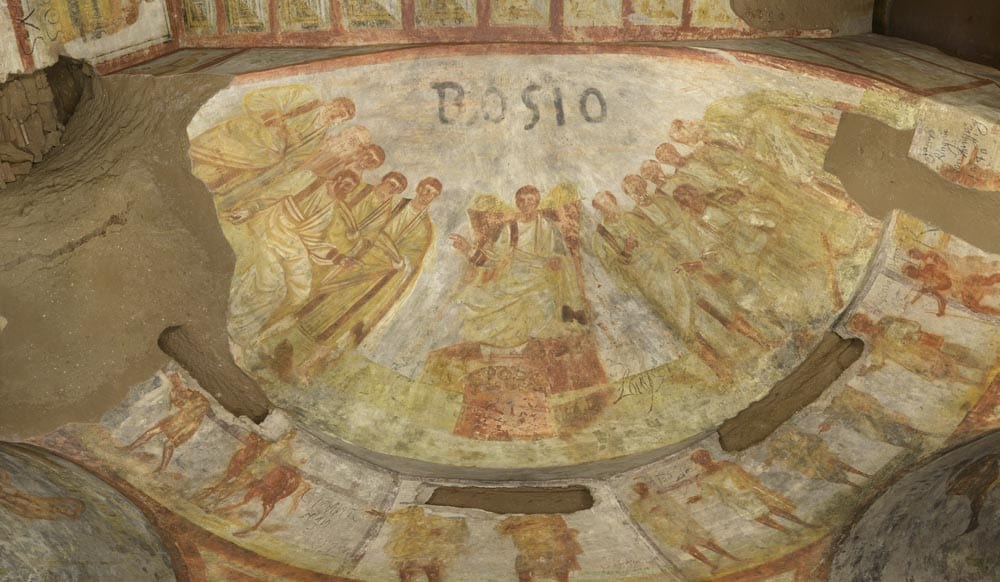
(329, 253)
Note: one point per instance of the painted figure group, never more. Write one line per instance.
(260, 470)
(700, 234)
(328, 253)
(423, 545)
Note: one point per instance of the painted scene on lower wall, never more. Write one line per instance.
(274, 501)
(515, 261)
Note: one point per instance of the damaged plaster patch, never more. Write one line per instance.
(526, 500)
(959, 145)
(806, 383)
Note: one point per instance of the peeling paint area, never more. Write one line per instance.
(58, 522)
(100, 31)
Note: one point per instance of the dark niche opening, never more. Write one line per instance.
(212, 366)
(805, 384)
(531, 500)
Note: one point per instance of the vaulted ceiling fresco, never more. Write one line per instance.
(519, 261)
(558, 266)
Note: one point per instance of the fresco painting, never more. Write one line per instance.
(708, 14)
(546, 546)
(57, 521)
(29, 506)
(592, 12)
(440, 543)
(272, 491)
(519, 12)
(690, 18)
(423, 543)
(418, 275)
(296, 15)
(246, 15)
(187, 410)
(840, 447)
(445, 12)
(702, 513)
(533, 281)
(657, 12)
(199, 16)
(372, 13)
(69, 20)
(99, 30)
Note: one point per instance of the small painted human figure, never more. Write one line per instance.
(672, 524)
(526, 284)
(278, 129)
(288, 237)
(809, 454)
(931, 272)
(395, 234)
(734, 487)
(965, 278)
(188, 409)
(546, 546)
(422, 543)
(864, 414)
(31, 506)
(925, 354)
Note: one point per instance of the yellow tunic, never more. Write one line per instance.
(280, 126)
(351, 302)
(517, 295)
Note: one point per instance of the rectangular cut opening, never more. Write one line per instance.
(530, 500)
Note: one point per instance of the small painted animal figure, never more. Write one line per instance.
(280, 482)
(236, 476)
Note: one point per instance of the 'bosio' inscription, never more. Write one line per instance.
(494, 107)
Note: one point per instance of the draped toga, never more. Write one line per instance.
(515, 295)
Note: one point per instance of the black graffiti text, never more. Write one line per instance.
(535, 105)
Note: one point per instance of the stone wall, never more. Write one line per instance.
(29, 125)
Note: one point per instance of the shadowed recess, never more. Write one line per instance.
(815, 374)
(216, 372)
(528, 500)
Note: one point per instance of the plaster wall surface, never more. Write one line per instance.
(100, 32)
(113, 34)
(298, 497)
(61, 523)
(937, 523)
(10, 60)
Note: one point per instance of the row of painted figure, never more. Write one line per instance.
(325, 256)
(269, 472)
(333, 253)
